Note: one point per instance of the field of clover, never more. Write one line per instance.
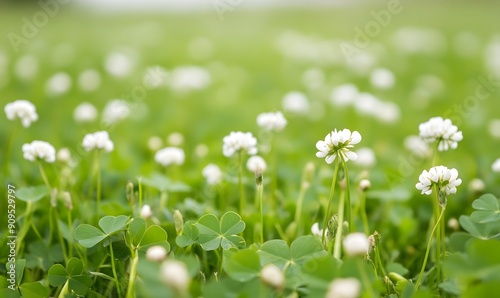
(260, 156)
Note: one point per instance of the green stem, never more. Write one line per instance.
(163, 199)
(70, 227)
(64, 290)
(419, 280)
(133, 274)
(61, 240)
(364, 278)
(348, 197)
(240, 181)
(98, 177)
(139, 179)
(330, 198)
(340, 228)
(261, 189)
(113, 267)
(378, 260)
(298, 209)
(438, 240)
(364, 218)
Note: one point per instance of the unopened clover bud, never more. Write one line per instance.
(146, 212)
(129, 190)
(356, 244)
(53, 197)
(66, 197)
(258, 178)
(273, 276)
(174, 274)
(63, 155)
(476, 185)
(365, 184)
(156, 253)
(344, 288)
(453, 224)
(178, 222)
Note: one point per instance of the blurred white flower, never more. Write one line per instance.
(271, 121)
(22, 109)
(494, 128)
(338, 144)
(365, 184)
(273, 276)
(201, 150)
(496, 165)
(26, 68)
(85, 112)
(212, 174)
(416, 145)
(446, 180)
(387, 112)
(414, 40)
(344, 288)
(39, 150)
(188, 78)
(115, 110)
(154, 143)
(63, 155)
(477, 185)
(89, 80)
(356, 244)
(155, 77)
(175, 139)
(170, 155)
(382, 78)
(366, 157)
(156, 253)
(256, 164)
(315, 230)
(118, 64)
(313, 78)
(174, 274)
(441, 130)
(492, 57)
(58, 84)
(344, 95)
(454, 224)
(366, 104)
(98, 141)
(239, 141)
(146, 212)
(296, 103)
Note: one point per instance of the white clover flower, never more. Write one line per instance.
(189, 78)
(256, 164)
(23, 110)
(416, 145)
(365, 184)
(39, 150)
(201, 150)
(118, 64)
(26, 67)
(97, 141)
(146, 212)
(441, 130)
(85, 112)
(58, 84)
(156, 253)
(387, 112)
(454, 224)
(273, 276)
(344, 95)
(494, 128)
(313, 78)
(366, 157)
(63, 155)
(271, 121)
(238, 141)
(155, 77)
(175, 139)
(170, 155)
(344, 288)
(296, 103)
(115, 110)
(477, 185)
(356, 244)
(155, 143)
(338, 144)
(382, 78)
(496, 165)
(89, 80)
(446, 180)
(174, 274)
(212, 174)
(315, 230)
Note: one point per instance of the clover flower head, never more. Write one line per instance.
(338, 143)
(315, 230)
(189, 78)
(441, 130)
(98, 141)
(446, 180)
(273, 276)
(115, 110)
(174, 274)
(296, 103)
(366, 157)
(146, 212)
(271, 121)
(39, 150)
(496, 165)
(344, 288)
(89, 80)
(156, 253)
(22, 109)
(170, 155)
(344, 95)
(356, 244)
(256, 164)
(212, 174)
(85, 112)
(238, 141)
(58, 84)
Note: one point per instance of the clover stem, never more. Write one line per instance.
(364, 278)
(298, 209)
(139, 179)
(113, 267)
(340, 227)
(378, 260)
(240, 180)
(436, 225)
(133, 274)
(64, 290)
(70, 227)
(260, 188)
(332, 190)
(98, 177)
(348, 197)
(364, 218)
